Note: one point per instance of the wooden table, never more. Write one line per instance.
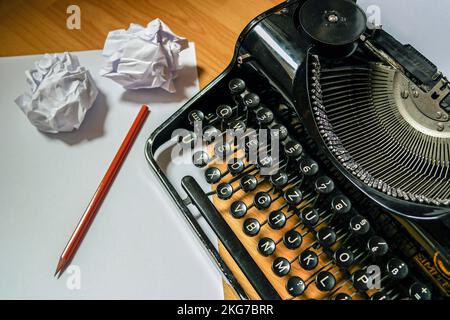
(36, 27)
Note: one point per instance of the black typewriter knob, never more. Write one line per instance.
(265, 162)
(235, 166)
(281, 266)
(292, 239)
(222, 150)
(325, 281)
(213, 175)
(342, 296)
(224, 191)
(419, 291)
(266, 246)
(324, 185)
(359, 225)
(210, 133)
(295, 286)
(308, 260)
(293, 196)
(187, 140)
(380, 295)
(397, 269)
(341, 204)
(224, 111)
(264, 116)
(377, 246)
(238, 209)
(279, 132)
(237, 86)
(195, 116)
(293, 149)
(248, 183)
(309, 167)
(200, 159)
(343, 257)
(277, 220)
(262, 200)
(360, 280)
(326, 236)
(251, 100)
(279, 179)
(334, 26)
(310, 216)
(251, 227)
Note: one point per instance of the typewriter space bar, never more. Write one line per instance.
(229, 239)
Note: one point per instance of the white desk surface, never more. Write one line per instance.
(139, 246)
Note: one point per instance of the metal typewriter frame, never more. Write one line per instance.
(177, 120)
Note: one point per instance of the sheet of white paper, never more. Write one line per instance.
(139, 246)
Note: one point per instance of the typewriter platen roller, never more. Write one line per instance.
(325, 149)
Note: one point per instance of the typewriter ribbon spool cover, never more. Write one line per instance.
(318, 160)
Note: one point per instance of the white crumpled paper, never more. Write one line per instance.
(141, 57)
(61, 93)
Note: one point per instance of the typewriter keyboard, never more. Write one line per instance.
(300, 228)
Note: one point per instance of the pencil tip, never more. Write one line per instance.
(59, 268)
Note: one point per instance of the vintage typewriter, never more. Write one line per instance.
(319, 160)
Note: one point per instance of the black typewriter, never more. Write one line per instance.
(319, 160)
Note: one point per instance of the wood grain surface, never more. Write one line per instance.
(36, 27)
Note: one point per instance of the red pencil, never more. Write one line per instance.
(99, 195)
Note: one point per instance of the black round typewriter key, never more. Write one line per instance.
(295, 286)
(266, 246)
(238, 209)
(326, 236)
(359, 225)
(324, 185)
(293, 196)
(292, 239)
(222, 150)
(251, 227)
(308, 260)
(380, 295)
(200, 159)
(419, 291)
(213, 175)
(251, 100)
(342, 296)
(276, 220)
(187, 140)
(293, 149)
(309, 167)
(224, 191)
(265, 162)
(279, 179)
(210, 133)
(238, 127)
(279, 132)
(248, 183)
(341, 204)
(264, 116)
(343, 257)
(236, 86)
(281, 266)
(310, 217)
(262, 200)
(224, 112)
(195, 116)
(235, 166)
(325, 281)
(397, 269)
(377, 246)
(360, 280)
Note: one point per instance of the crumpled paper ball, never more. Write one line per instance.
(141, 57)
(62, 92)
